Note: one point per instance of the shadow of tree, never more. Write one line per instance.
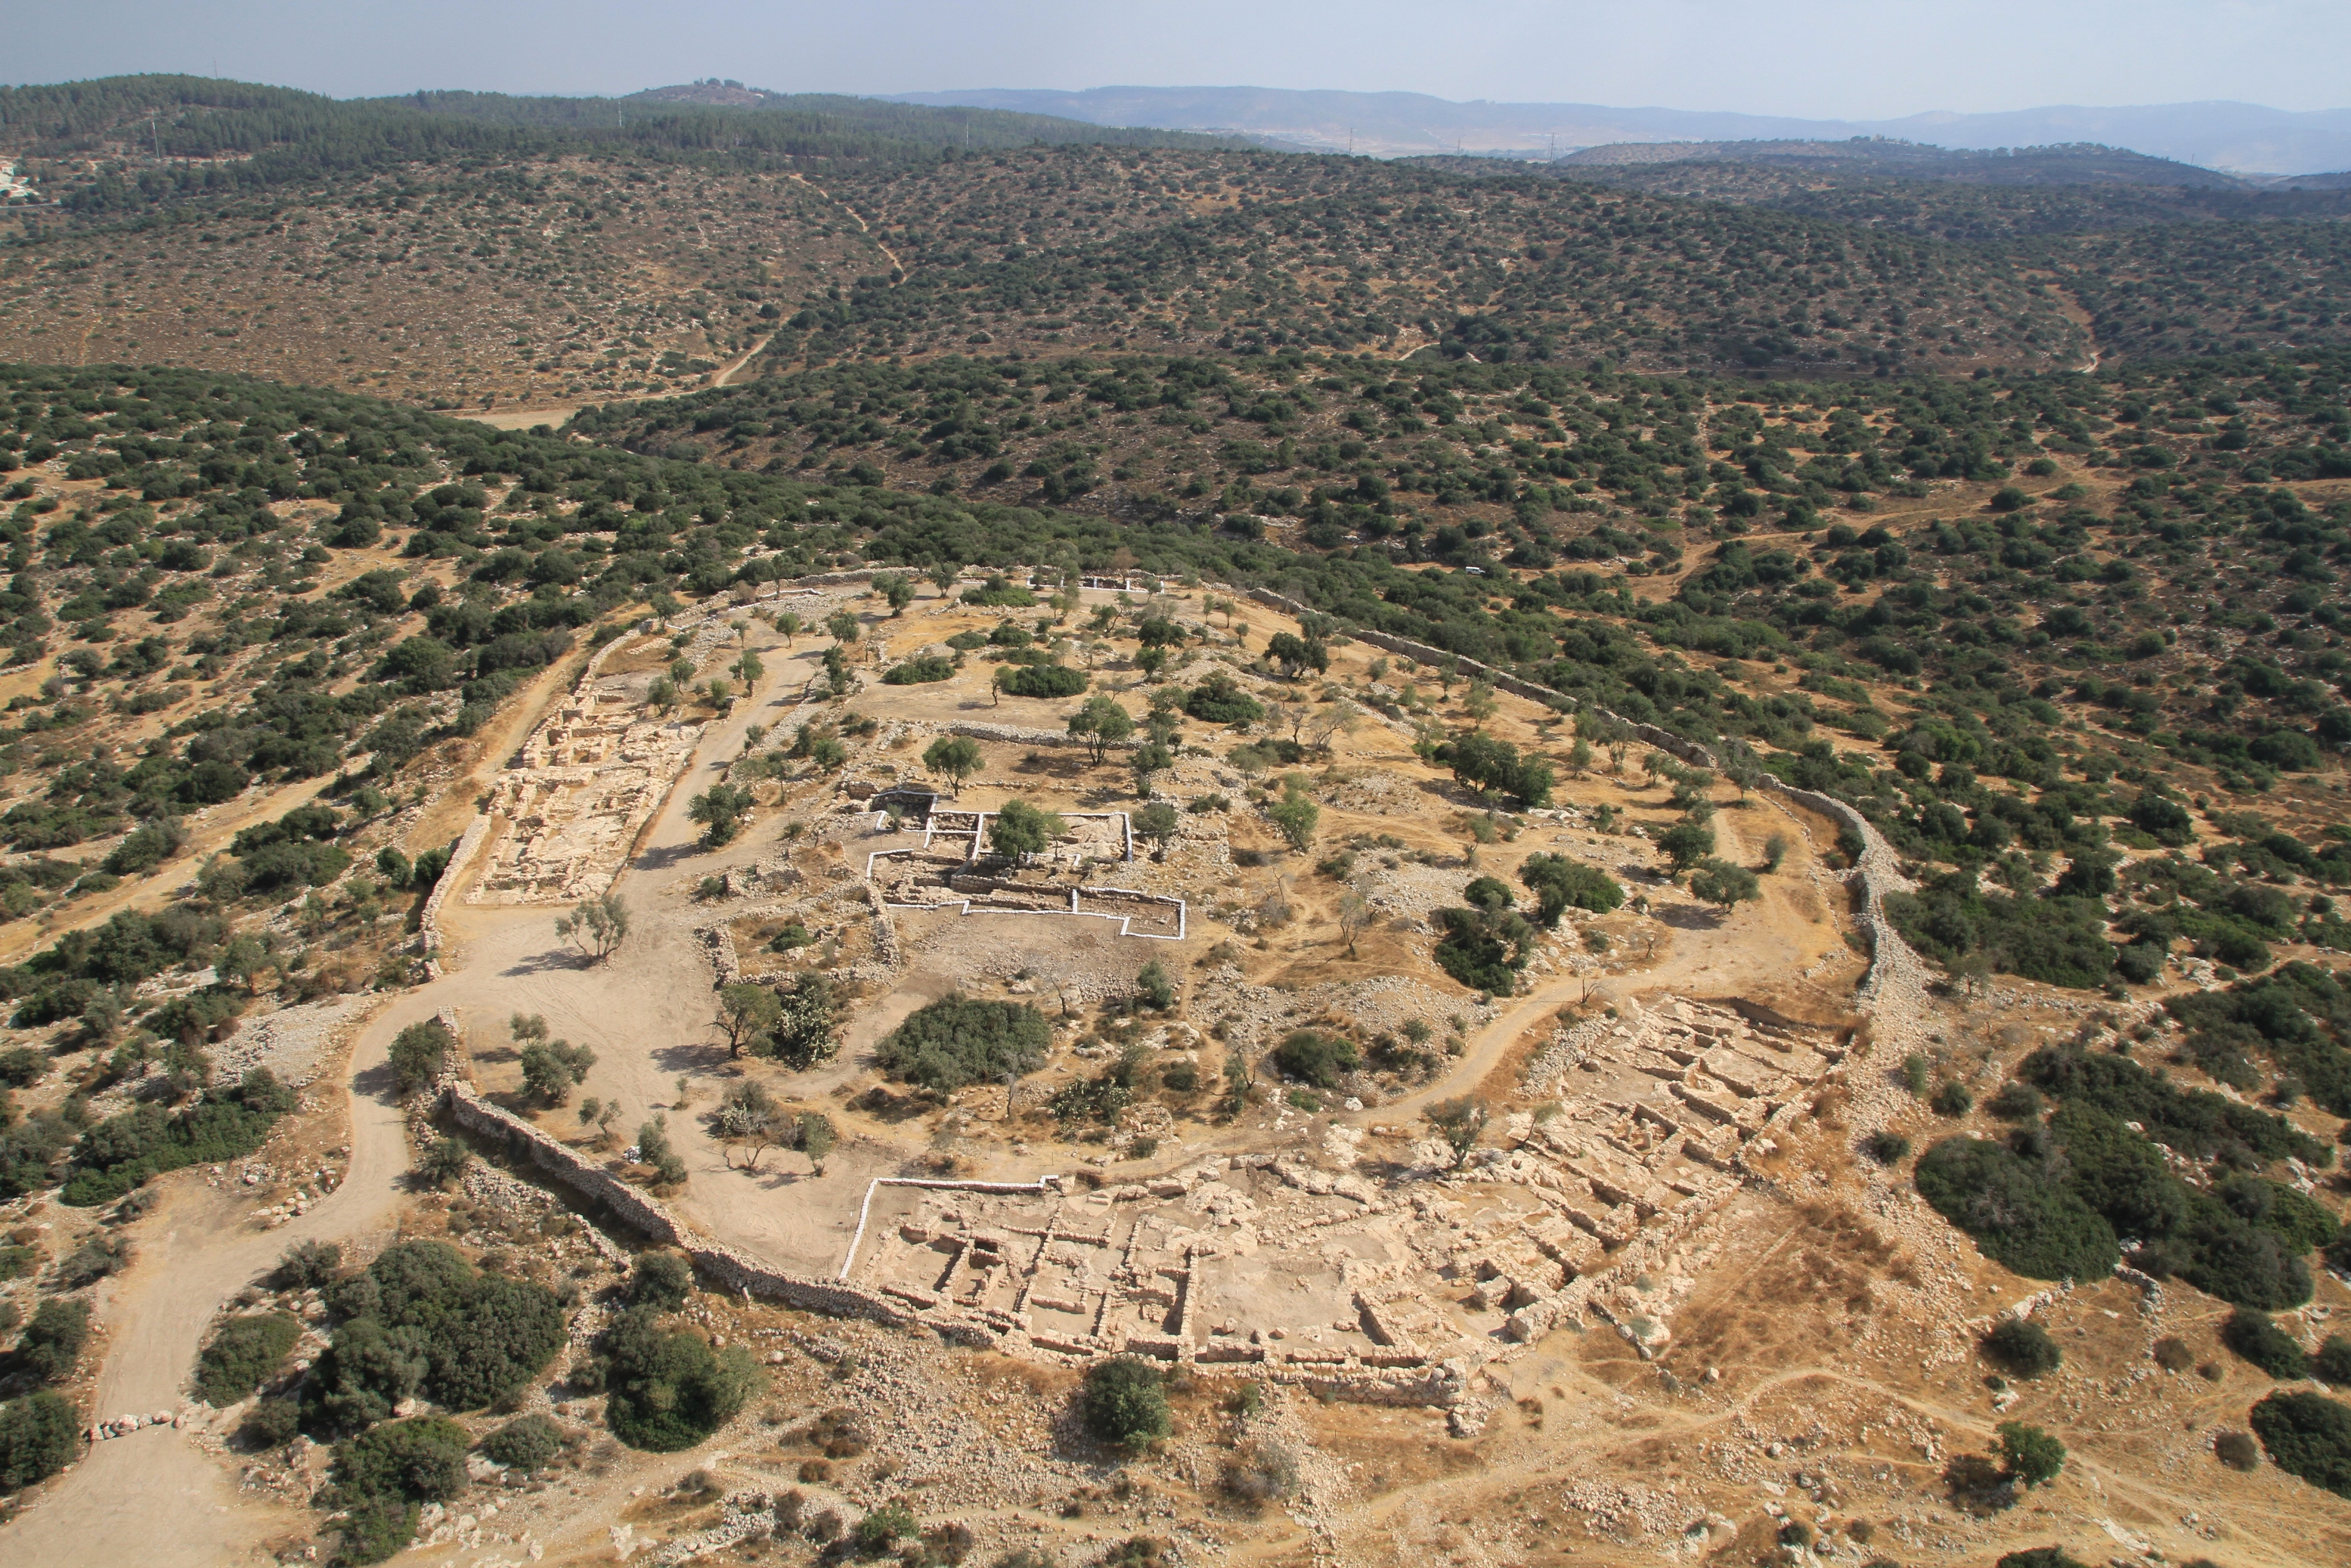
(379, 1083)
(552, 959)
(667, 855)
(693, 1057)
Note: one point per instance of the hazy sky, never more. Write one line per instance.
(1824, 58)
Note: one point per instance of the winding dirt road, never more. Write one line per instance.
(154, 1498)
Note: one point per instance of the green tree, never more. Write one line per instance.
(2030, 1456)
(552, 1068)
(417, 1054)
(1157, 821)
(815, 1137)
(1019, 830)
(895, 590)
(1295, 815)
(1721, 883)
(597, 926)
(1686, 843)
(1101, 724)
(1561, 884)
(720, 810)
(842, 625)
(943, 575)
(1124, 1401)
(955, 757)
(748, 1012)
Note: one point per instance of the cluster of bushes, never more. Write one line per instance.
(919, 672)
(963, 1040)
(2308, 1436)
(81, 967)
(666, 1390)
(383, 1478)
(1479, 761)
(122, 1152)
(244, 1353)
(2296, 1015)
(1485, 946)
(2060, 941)
(1220, 699)
(2052, 1199)
(1042, 681)
(421, 1320)
(40, 1431)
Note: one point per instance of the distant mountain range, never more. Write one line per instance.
(2242, 138)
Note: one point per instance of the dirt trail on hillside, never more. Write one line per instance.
(557, 413)
(155, 1498)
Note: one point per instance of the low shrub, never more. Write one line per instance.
(2236, 1450)
(919, 672)
(1124, 1401)
(309, 1265)
(1310, 1056)
(660, 1281)
(271, 1422)
(2307, 1436)
(243, 1353)
(2254, 1337)
(527, 1443)
(2023, 1347)
(1887, 1148)
(1044, 681)
(40, 1434)
(960, 1040)
(52, 1342)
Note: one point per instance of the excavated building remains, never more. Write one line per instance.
(574, 800)
(932, 863)
(1382, 1282)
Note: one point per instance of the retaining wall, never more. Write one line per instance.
(641, 1210)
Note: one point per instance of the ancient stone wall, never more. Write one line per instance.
(734, 1269)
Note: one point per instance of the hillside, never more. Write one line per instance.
(510, 252)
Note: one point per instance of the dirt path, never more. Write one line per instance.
(524, 418)
(155, 1497)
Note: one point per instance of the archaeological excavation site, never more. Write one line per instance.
(888, 1069)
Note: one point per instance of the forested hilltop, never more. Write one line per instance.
(534, 250)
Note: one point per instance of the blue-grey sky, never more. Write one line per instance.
(1816, 58)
